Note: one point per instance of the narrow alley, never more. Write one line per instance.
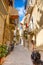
(21, 32)
(19, 56)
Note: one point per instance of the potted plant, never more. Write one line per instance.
(3, 52)
(25, 34)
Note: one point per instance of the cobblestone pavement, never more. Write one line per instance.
(19, 56)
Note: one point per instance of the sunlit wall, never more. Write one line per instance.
(39, 38)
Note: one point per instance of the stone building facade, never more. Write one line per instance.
(35, 20)
(7, 12)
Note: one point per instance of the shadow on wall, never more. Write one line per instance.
(40, 23)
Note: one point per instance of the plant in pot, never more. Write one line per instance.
(3, 52)
(25, 34)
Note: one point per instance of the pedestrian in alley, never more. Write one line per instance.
(36, 58)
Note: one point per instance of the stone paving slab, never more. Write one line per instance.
(19, 56)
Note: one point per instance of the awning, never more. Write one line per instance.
(14, 16)
(3, 8)
(13, 12)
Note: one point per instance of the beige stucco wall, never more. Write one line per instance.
(39, 38)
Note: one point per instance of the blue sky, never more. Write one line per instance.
(19, 5)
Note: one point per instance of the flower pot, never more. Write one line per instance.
(2, 60)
